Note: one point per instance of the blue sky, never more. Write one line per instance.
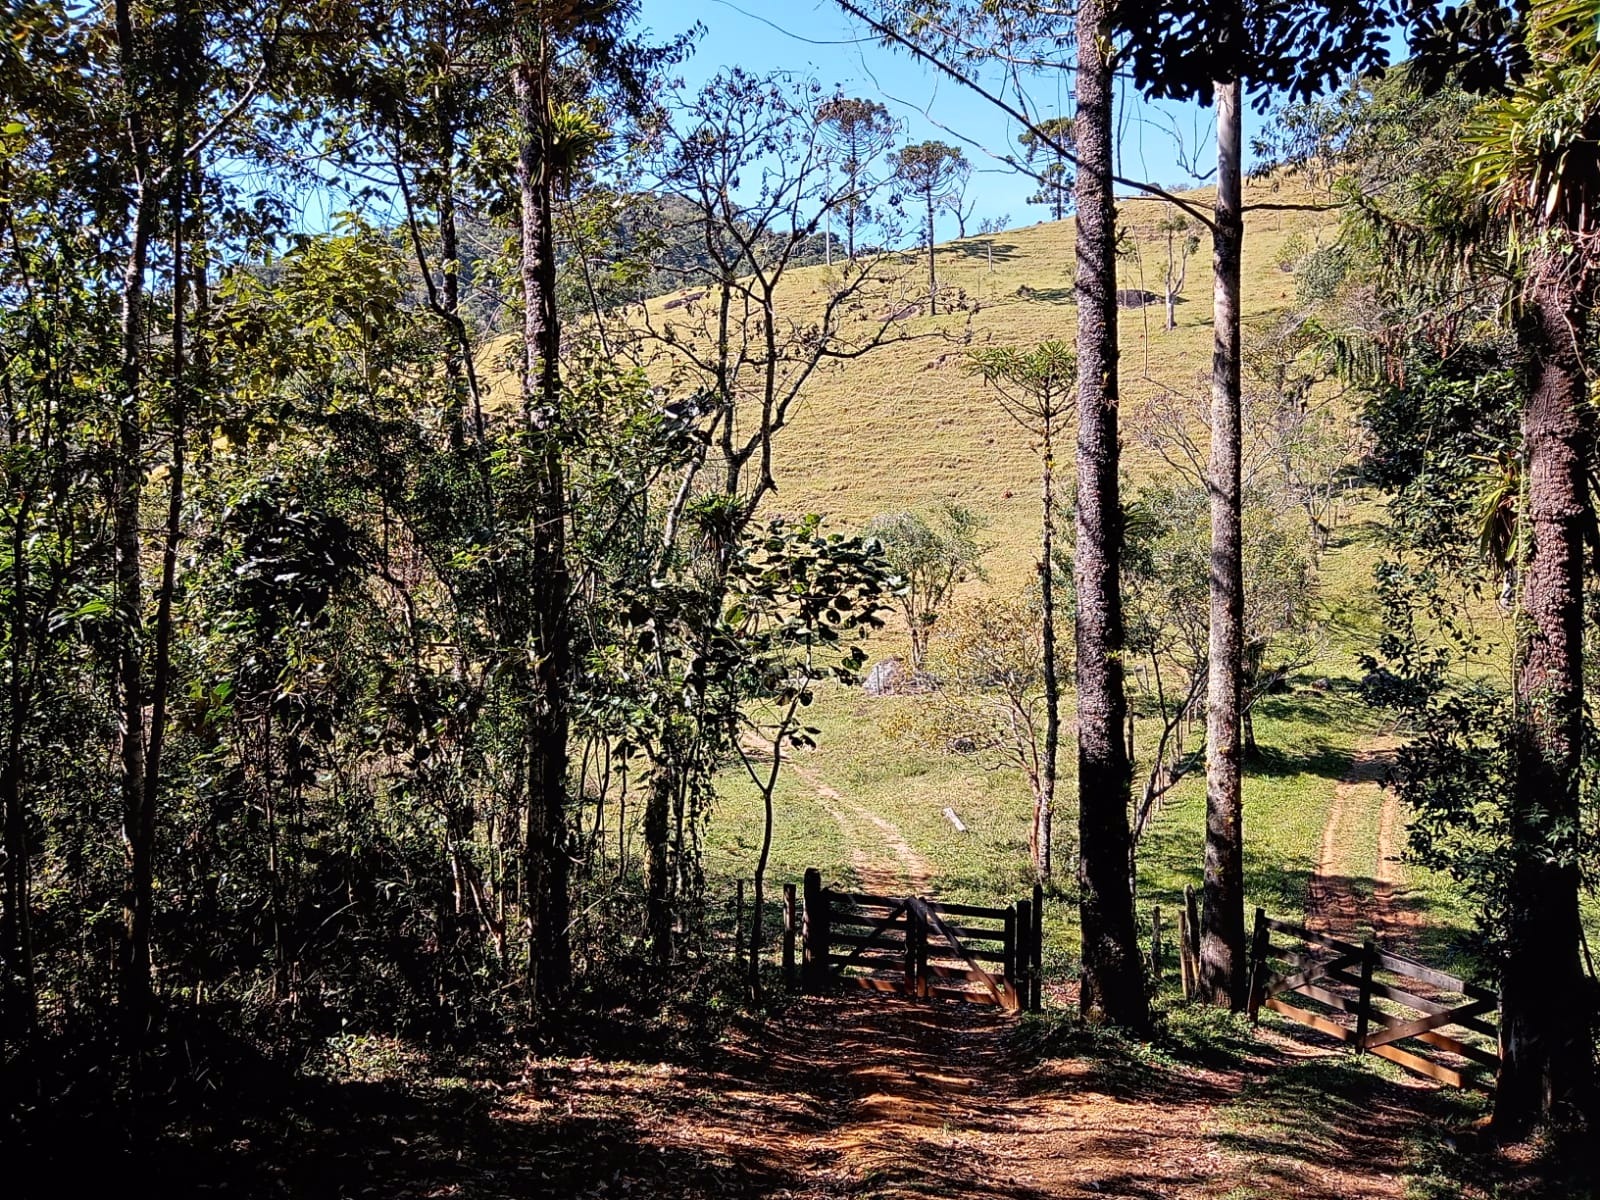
(816, 38)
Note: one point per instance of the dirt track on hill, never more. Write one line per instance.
(1335, 904)
(885, 863)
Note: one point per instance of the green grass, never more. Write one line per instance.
(1307, 737)
(908, 426)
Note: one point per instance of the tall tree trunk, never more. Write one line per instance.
(1045, 802)
(161, 664)
(546, 903)
(1547, 1058)
(1222, 957)
(1113, 976)
(18, 989)
(127, 485)
(933, 282)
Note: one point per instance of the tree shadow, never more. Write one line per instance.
(980, 247)
(1320, 759)
(1047, 295)
(1307, 1116)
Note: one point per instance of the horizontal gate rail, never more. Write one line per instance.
(1341, 978)
(913, 946)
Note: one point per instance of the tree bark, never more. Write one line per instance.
(127, 493)
(1222, 956)
(16, 936)
(546, 904)
(1547, 1057)
(1113, 975)
(657, 877)
(1045, 802)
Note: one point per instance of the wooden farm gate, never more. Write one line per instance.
(915, 946)
(1426, 1020)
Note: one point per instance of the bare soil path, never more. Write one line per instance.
(1360, 880)
(885, 863)
(893, 1099)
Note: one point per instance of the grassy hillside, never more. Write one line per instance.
(908, 425)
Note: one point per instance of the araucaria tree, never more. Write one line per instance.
(933, 173)
(859, 131)
(1193, 49)
(1052, 140)
(1113, 975)
(1037, 388)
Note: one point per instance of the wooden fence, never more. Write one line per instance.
(1379, 1002)
(913, 946)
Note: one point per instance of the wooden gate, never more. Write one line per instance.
(1387, 1004)
(915, 946)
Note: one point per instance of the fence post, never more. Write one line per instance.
(788, 934)
(1191, 905)
(815, 934)
(1022, 955)
(1009, 967)
(1369, 959)
(1259, 943)
(1155, 945)
(1185, 966)
(1036, 967)
(913, 966)
(738, 922)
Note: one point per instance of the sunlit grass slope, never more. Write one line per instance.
(908, 425)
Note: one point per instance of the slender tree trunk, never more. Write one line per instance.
(127, 493)
(1547, 1057)
(546, 903)
(161, 665)
(933, 283)
(455, 364)
(1045, 802)
(657, 877)
(16, 937)
(851, 208)
(1113, 975)
(1222, 957)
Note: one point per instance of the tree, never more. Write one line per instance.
(1113, 976)
(987, 228)
(1478, 251)
(1166, 584)
(990, 697)
(1186, 49)
(934, 173)
(1053, 138)
(931, 558)
(1036, 388)
(1536, 168)
(747, 358)
(1182, 240)
(552, 43)
(800, 604)
(860, 131)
